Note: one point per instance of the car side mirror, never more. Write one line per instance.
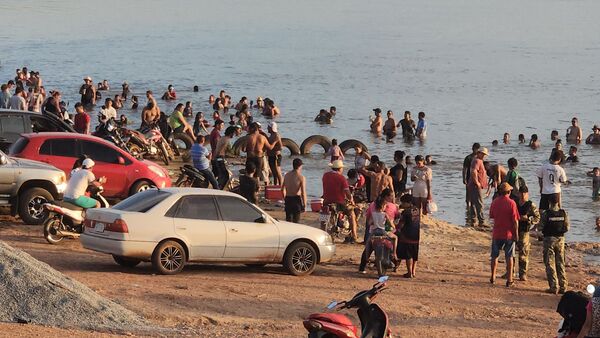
(261, 219)
(3, 159)
(121, 160)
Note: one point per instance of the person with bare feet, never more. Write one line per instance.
(274, 155)
(294, 192)
(255, 148)
(505, 233)
(408, 230)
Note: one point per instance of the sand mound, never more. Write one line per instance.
(33, 292)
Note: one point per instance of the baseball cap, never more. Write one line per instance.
(88, 163)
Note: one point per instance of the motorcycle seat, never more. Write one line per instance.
(332, 318)
(68, 205)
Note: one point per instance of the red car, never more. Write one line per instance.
(125, 174)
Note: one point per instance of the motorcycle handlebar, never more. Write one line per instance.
(369, 294)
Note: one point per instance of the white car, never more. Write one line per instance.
(173, 226)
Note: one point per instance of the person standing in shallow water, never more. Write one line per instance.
(389, 128)
(466, 171)
(377, 123)
(408, 127)
(478, 184)
(88, 93)
(421, 130)
(574, 133)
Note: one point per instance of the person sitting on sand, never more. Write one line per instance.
(574, 134)
(593, 138)
(376, 123)
(408, 230)
(522, 139)
(534, 143)
(324, 117)
(573, 158)
(389, 128)
(169, 94)
(506, 138)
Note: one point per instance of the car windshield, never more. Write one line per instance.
(142, 201)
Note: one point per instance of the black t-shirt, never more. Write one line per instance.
(249, 188)
(408, 130)
(398, 185)
(467, 166)
(411, 231)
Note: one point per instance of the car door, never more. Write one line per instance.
(11, 128)
(107, 164)
(60, 152)
(250, 236)
(197, 221)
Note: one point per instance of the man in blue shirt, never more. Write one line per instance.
(421, 131)
(200, 156)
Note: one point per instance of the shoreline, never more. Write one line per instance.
(450, 297)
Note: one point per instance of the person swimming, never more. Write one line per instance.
(522, 139)
(506, 138)
(534, 143)
(554, 135)
(429, 160)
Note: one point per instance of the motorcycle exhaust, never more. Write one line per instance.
(64, 233)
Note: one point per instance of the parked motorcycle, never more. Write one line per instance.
(66, 219)
(334, 222)
(373, 320)
(149, 143)
(192, 177)
(112, 133)
(383, 247)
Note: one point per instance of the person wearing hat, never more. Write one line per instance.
(274, 155)
(78, 184)
(294, 192)
(554, 223)
(377, 123)
(505, 232)
(529, 217)
(336, 190)
(478, 185)
(88, 93)
(593, 138)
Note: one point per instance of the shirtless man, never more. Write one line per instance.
(379, 179)
(255, 148)
(377, 123)
(594, 138)
(574, 133)
(294, 192)
(389, 128)
(275, 153)
(496, 174)
(150, 113)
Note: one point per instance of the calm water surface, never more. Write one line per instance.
(477, 68)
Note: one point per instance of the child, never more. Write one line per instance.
(595, 175)
(335, 151)
(382, 224)
(573, 155)
(356, 182)
(408, 231)
(512, 177)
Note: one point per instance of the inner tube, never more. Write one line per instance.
(185, 138)
(239, 144)
(291, 145)
(351, 143)
(321, 140)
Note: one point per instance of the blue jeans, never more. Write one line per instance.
(211, 178)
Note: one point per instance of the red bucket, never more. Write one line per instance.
(316, 205)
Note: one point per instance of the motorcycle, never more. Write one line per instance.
(66, 219)
(192, 177)
(110, 132)
(334, 222)
(149, 143)
(374, 321)
(383, 247)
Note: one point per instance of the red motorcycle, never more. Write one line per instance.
(373, 320)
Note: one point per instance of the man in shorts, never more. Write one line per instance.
(294, 192)
(505, 232)
(337, 191)
(466, 171)
(550, 177)
(78, 183)
(274, 155)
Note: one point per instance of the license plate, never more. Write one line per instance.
(99, 227)
(324, 217)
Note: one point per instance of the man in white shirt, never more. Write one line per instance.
(108, 111)
(78, 183)
(17, 101)
(550, 177)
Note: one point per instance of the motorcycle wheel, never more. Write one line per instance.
(164, 153)
(183, 183)
(135, 150)
(380, 259)
(52, 225)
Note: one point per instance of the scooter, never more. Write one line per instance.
(66, 219)
(373, 320)
(191, 177)
(383, 247)
(334, 222)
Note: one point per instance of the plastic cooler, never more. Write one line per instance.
(316, 205)
(273, 193)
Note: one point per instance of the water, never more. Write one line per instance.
(477, 68)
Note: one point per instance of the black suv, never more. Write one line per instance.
(13, 123)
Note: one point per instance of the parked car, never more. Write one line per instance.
(26, 185)
(174, 226)
(125, 174)
(13, 123)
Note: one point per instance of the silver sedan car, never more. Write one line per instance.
(171, 227)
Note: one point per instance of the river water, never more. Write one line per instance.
(477, 68)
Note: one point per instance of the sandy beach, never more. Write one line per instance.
(450, 297)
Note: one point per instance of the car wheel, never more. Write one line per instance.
(31, 205)
(300, 259)
(126, 262)
(140, 186)
(168, 258)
